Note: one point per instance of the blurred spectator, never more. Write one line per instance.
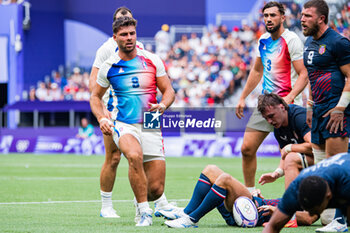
(41, 92)
(55, 93)
(86, 129)
(205, 71)
(163, 41)
(82, 94)
(32, 95)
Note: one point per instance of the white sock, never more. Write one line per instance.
(162, 201)
(143, 206)
(106, 199)
(251, 189)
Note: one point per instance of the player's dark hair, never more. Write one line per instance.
(123, 10)
(123, 22)
(274, 4)
(321, 8)
(312, 191)
(268, 100)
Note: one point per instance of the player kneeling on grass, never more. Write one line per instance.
(324, 185)
(215, 188)
(293, 136)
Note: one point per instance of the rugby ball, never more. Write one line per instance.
(245, 212)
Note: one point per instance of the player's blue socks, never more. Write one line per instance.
(215, 197)
(200, 191)
(339, 216)
(226, 215)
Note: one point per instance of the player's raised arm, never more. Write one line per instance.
(252, 81)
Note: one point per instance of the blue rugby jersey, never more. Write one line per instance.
(335, 170)
(323, 58)
(297, 128)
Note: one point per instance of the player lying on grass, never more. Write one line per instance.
(324, 185)
(215, 188)
(293, 136)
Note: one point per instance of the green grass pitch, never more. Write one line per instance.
(60, 193)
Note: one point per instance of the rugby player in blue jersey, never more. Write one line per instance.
(324, 185)
(327, 59)
(215, 188)
(293, 136)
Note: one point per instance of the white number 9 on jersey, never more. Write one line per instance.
(309, 57)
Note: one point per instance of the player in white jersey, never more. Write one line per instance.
(134, 75)
(279, 58)
(112, 158)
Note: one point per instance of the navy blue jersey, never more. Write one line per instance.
(335, 170)
(297, 128)
(322, 58)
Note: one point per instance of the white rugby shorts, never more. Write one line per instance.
(151, 141)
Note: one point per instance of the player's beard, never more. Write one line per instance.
(311, 31)
(274, 29)
(126, 49)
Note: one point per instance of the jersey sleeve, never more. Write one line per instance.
(300, 122)
(289, 203)
(257, 49)
(159, 66)
(295, 48)
(102, 54)
(342, 51)
(102, 76)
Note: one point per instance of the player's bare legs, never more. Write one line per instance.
(251, 142)
(336, 145)
(155, 173)
(293, 166)
(107, 177)
(109, 168)
(132, 151)
(234, 187)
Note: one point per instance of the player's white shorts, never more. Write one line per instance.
(151, 141)
(258, 122)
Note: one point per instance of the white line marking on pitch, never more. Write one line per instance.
(64, 202)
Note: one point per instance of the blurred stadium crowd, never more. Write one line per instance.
(206, 70)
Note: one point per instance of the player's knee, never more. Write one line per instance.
(115, 159)
(223, 180)
(135, 159)
(291, 160)
(209, 169)
(247, 151)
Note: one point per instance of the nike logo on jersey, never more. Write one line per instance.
(121, 70)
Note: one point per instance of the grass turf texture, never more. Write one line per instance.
(66, 178)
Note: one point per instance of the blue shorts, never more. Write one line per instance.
(319, 133)
(258, 202)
